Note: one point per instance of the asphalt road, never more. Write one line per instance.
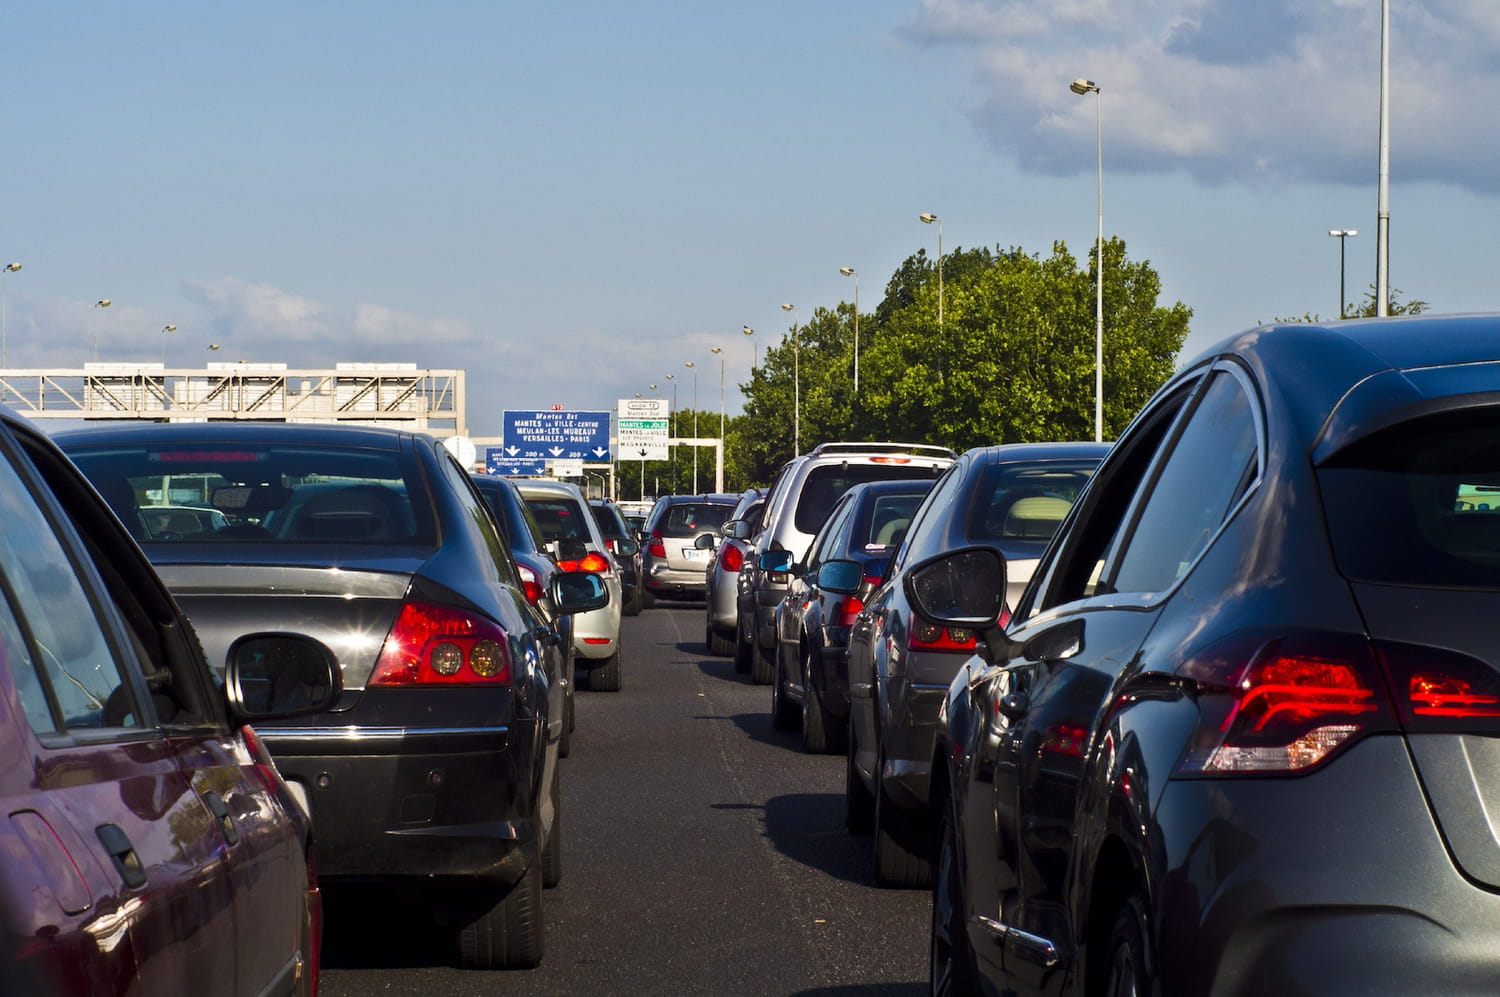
(704, 853)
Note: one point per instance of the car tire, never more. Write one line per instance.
(744, 649)
(720, 645)
(762, 664)
(822, 734)
(783, 711)
(507, 934)
(903, 845)
(1127, 962)
(552, 867)
(950, 963)
(606, 676)
(859, 805)
(632, 606)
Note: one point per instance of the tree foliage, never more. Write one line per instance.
(1011, 361)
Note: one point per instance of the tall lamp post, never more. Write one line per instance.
(672, 430)
(5, 272)
(796, 383)
(164, 330)
(718, 351)
(694, 368)
(754, 350)
(1341, 234)
(1082, 87)
(928, 219)
(101, 303)
(851, 272)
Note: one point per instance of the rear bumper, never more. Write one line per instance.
(417, 803)
(661, 577)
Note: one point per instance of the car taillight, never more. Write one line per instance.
(1441, 691)
(731, 558)
(924, 636)
(1282, 703)
(890, 460)
(436, 645)
(530, 584)
(592, 562)
(658, 547)
(853, 605)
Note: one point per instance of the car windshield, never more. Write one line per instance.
(1026, 501)
(689, 519)
(1418, 505)
(237, 493)
(826, 485)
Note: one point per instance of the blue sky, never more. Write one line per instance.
(569, 200)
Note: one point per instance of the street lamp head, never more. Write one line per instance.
(716, 349)
(1339, 233)
(787, 308)
(1081, 87)
(671, 377)
(748, 331)
(689, 364)
(212, 347)
(103, 303)
(12, 267)
(847, 271)
(927, 218)
(169, 328)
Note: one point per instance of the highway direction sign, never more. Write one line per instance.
(495, 462)
(557, 435)
(643, 429)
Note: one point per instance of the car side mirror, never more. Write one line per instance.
(842, 577)
(775, 561)
(271, 676)
(568, 549)
(626, 547)
(741, 529)
(578, 592)
(963, 588)
(706, 541)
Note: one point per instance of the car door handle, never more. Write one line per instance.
(127, 863)
(220, 810)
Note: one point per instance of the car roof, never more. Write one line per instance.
(341, 434)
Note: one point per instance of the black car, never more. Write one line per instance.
(622, 543)
(536, 567)
(1009, 498)
(844, 564)
(436, 770)
(1241, 733)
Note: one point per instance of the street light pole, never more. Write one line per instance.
(5, 272)
(1383, 192)
(851, 272)
(796, 383)
(928, 219)
(101, 303)
(1341, 234)
(719, 352)
(672, 430)
(694, 368)
(164, 330)
(1082, 87)
(754, 351)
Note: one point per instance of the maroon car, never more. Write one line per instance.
(149, 844)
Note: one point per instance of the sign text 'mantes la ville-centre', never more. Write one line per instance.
(557, 435)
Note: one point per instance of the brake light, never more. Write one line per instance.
(924, 636)
(530, 584)
(1066, 739)
(849, 609)
(436, 645)
(891, 460)
(1282, 703)
(731, 558)
(1442, 691)
(658, 548)
(592, 562)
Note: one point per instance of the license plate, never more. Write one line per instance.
(695, 554)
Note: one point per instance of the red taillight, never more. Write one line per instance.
(592, 562)
(731, 558)
(1279, 704)
(925, 636)
(890, 460)
(1442, 691)
(849, 609)
(435, 645)
(1066, 739)
(658, 548)
(530, 584)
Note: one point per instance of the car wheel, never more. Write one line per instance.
(572, 708)
(507, 934)
(950, 966)
(719, 644)
(606, 677)
(744, 648)
(552, 854)
(632, 606)
(859, 805)
(762, 663)
(1127, 971)
(821, 734)
(903, 849)
(783, 710)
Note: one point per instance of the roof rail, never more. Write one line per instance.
(914, 449)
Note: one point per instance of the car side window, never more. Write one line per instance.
(1211, 464)
(826, 537)
(922, 540)
(478, 518)
(68, 672)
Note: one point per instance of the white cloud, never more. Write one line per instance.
(1228, 90)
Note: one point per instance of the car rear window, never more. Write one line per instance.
(689, 519)
(611, 524)
(255, 493)
(1026, 501)
(560, 519)
(826, 485)
(1419, 504)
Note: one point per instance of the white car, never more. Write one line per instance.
(564, 517)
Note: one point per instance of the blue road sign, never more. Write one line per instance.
(495, 462)
(557, 435)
